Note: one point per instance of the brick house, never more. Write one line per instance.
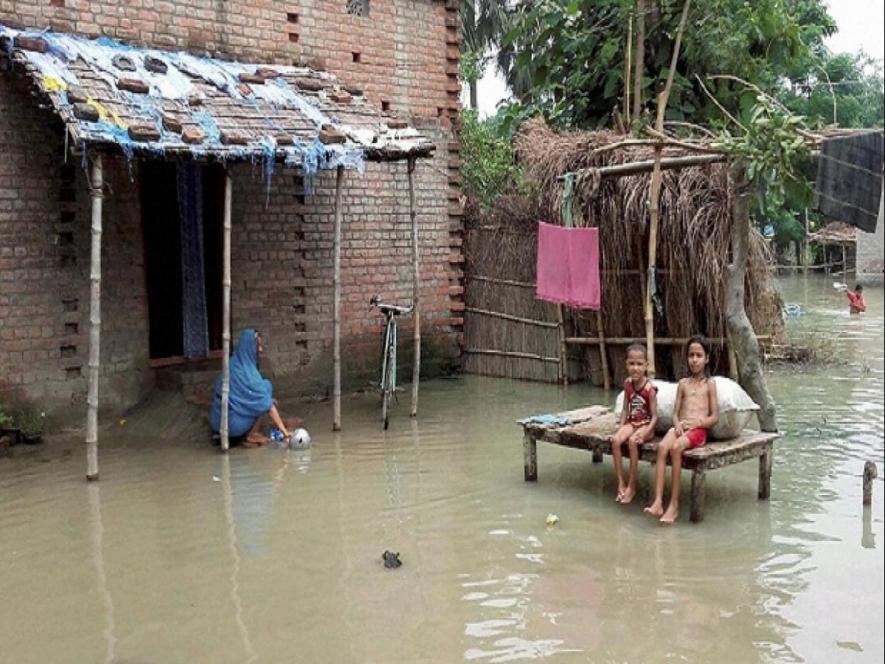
(399, 56)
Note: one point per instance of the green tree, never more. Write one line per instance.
(844, 89)
(483, 24)
(572, 54)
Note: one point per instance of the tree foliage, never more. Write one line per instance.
(567, 58)
(489, 168)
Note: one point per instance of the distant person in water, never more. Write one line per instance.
(639, 416)
(251, 395)
(856, 303)
(695, 412)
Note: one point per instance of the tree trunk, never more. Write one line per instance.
(740, 330)
(474, 95)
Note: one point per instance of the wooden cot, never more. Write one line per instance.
(589, 429)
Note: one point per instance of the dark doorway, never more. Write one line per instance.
(163, 256)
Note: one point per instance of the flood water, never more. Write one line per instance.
(181, 554)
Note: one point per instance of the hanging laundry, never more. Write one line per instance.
(849, 179)
(568, 266)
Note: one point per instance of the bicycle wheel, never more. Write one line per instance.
(388, 387)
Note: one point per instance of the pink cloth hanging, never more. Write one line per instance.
(568, 266)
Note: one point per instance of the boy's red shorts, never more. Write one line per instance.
(696, 438)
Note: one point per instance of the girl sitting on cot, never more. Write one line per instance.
(639, 416)
(695, 412)
(251, 395)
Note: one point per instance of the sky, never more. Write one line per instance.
(861, 27)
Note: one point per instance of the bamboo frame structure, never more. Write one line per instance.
(96, 193)
(225, 316)
(416, 288)
(336, 304)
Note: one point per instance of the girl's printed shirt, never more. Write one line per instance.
(639, 402)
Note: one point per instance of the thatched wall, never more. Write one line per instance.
(504, 249)
(693, 254)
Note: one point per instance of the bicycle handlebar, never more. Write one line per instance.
(394, 309)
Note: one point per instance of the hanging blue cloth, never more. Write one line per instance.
(195, 337)
(251, 396)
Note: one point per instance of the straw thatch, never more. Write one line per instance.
(837, 233)
(693, 249)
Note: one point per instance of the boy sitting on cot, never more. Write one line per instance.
(856, 303)
(638, 419)
(695, 412)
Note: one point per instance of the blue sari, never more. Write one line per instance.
(251, 396)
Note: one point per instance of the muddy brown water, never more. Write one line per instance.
(180, 554)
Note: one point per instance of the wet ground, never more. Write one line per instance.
(181, 554)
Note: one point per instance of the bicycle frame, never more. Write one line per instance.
(389, 352)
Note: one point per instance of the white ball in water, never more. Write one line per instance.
(300, 439)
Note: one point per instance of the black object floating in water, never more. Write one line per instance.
(391, 560)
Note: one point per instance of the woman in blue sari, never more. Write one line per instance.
(251, 395)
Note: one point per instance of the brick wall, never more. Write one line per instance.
(282, 265)
(404, 56)
(404, 53)
(44, 267)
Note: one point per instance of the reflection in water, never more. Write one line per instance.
(98, 558)
(279, 560)
(237, 601)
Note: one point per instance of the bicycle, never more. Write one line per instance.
(388, 352)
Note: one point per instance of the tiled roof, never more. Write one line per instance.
(176, 104)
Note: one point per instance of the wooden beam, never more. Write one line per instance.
(416, 289)
(96, 193)
(225, 315)
(336, 305)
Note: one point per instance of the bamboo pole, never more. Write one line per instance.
(96, 192)
(654, 202)
(628, 66)
(336, 305)
(225, 316)
(509, 353)
(603, 352)
(641, 8)
(660, 341)
(510, 317)
(644, 166)
(416, 288)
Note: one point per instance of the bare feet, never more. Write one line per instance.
(628, 495)
(621, 490)
(655, 509)
(670, 515)
(256, 440)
